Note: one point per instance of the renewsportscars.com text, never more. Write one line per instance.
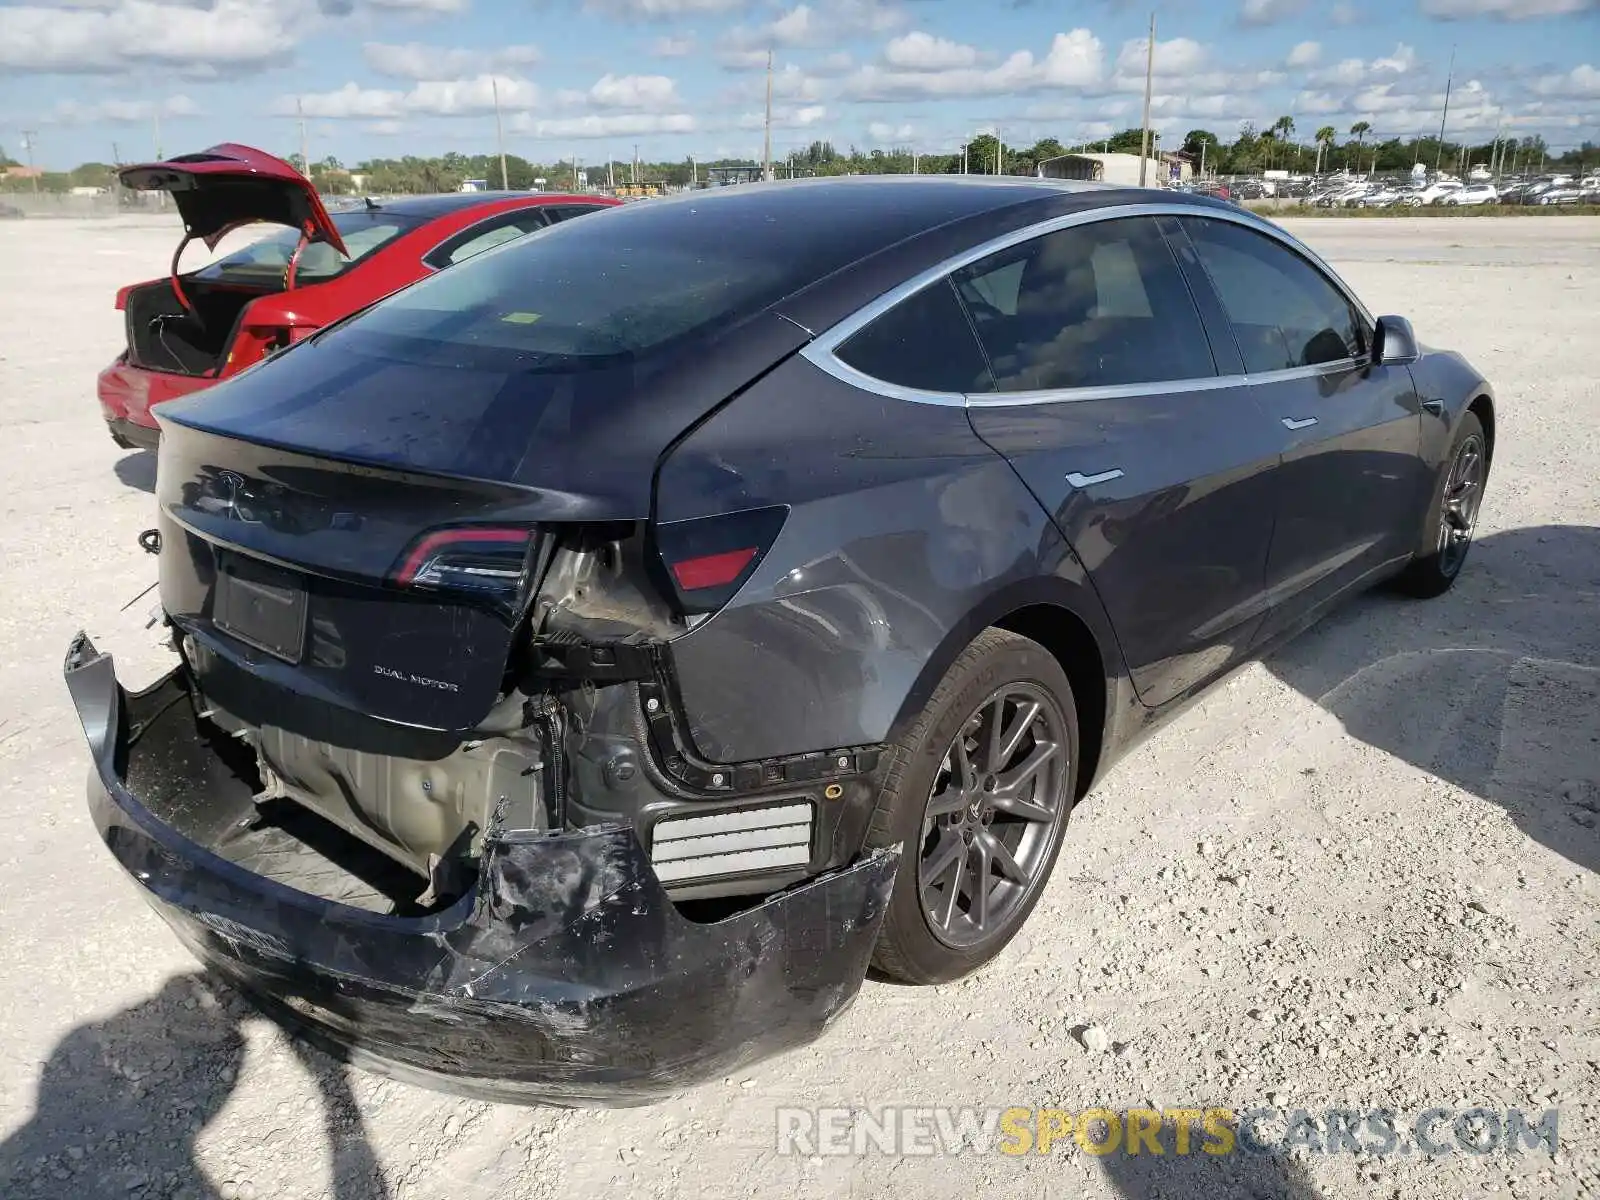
(934, 1130)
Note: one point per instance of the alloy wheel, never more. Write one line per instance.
(1458, 508)
(995, 809)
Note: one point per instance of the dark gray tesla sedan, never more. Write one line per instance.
(591, 658)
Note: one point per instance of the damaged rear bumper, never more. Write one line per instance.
(565, 975)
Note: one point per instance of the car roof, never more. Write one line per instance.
(428, 207)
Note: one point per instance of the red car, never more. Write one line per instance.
(189, 330)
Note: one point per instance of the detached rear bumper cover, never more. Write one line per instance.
(567, 976)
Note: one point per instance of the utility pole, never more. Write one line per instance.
(611, 172)
(694, 172)
(499, 135)
(963, 158)
(766, 144)
(305, 154)
(999, 152)
(1203, 158)
(635, 179)
(28, 136)
(1149, 76)
(1443, 116)
(116, 155)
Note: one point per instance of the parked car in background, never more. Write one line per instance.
(1564, 193)
(578, 682)
(1473, 194)
(1439, 191)
(186, 332)
(1382, 196)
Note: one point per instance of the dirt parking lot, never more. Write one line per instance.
(1361, 875)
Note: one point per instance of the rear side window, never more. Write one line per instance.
(264, 261)
(565, 212)
(486, 236)
(924, 342)
(1284, 311)
(1096, 305)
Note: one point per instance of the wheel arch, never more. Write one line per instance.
(1066, 619)
(1482, 407)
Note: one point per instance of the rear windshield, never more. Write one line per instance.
(558, 302)
(362, 233)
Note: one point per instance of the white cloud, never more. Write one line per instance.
(786, 118)
(632, 91)
(232, 35)
(1402, 60)
(655, 10)
(885, 134)
(117, 111)
(673, 47)
(919, 51)
(1075, 60)
(1506, 10)
(1582, 82)
(419, 6)
(384, 128)
(595, 125)
(1304, 54)
(744, 47)
(1344, 14)
(1180, 56)
(414, 60)
(433, 98)
(1352, 72)
(1268, 12)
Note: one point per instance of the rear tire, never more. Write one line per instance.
(978, 793)
(1452, 516)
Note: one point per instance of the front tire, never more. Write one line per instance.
(978, 793)
(1452, 515)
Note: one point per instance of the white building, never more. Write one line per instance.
(1122, 169)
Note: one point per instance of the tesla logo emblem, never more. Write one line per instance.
(233, 490)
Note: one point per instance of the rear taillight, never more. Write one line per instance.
(489, 563)
(708, 559)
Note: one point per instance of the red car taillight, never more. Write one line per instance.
(708, 559)
(488, 563)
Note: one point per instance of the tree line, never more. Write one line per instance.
(1282, 145)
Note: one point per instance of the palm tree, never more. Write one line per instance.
(1325, 137)
(1284, 126)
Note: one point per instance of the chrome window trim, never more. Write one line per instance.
(820, 352)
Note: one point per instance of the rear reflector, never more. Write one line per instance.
(708, 559)
(736, 842)
(712, 570)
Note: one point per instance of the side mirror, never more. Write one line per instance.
(1394, 342)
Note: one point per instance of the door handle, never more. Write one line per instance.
(1436, 407)
(1078, 480)
(1301, 423)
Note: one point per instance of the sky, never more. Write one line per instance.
(681, 78)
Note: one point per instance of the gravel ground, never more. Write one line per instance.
(1361, 874)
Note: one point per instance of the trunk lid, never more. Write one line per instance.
(230, 185)
(285, 570)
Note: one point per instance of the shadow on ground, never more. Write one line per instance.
(1257, 1173)
(121, 1103)
(138, 470)
(1494, 687)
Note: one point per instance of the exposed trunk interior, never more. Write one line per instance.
(163, 335)
(203, 783)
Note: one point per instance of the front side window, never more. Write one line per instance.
(1284, 312)
(1095, 305)
(924, 342)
